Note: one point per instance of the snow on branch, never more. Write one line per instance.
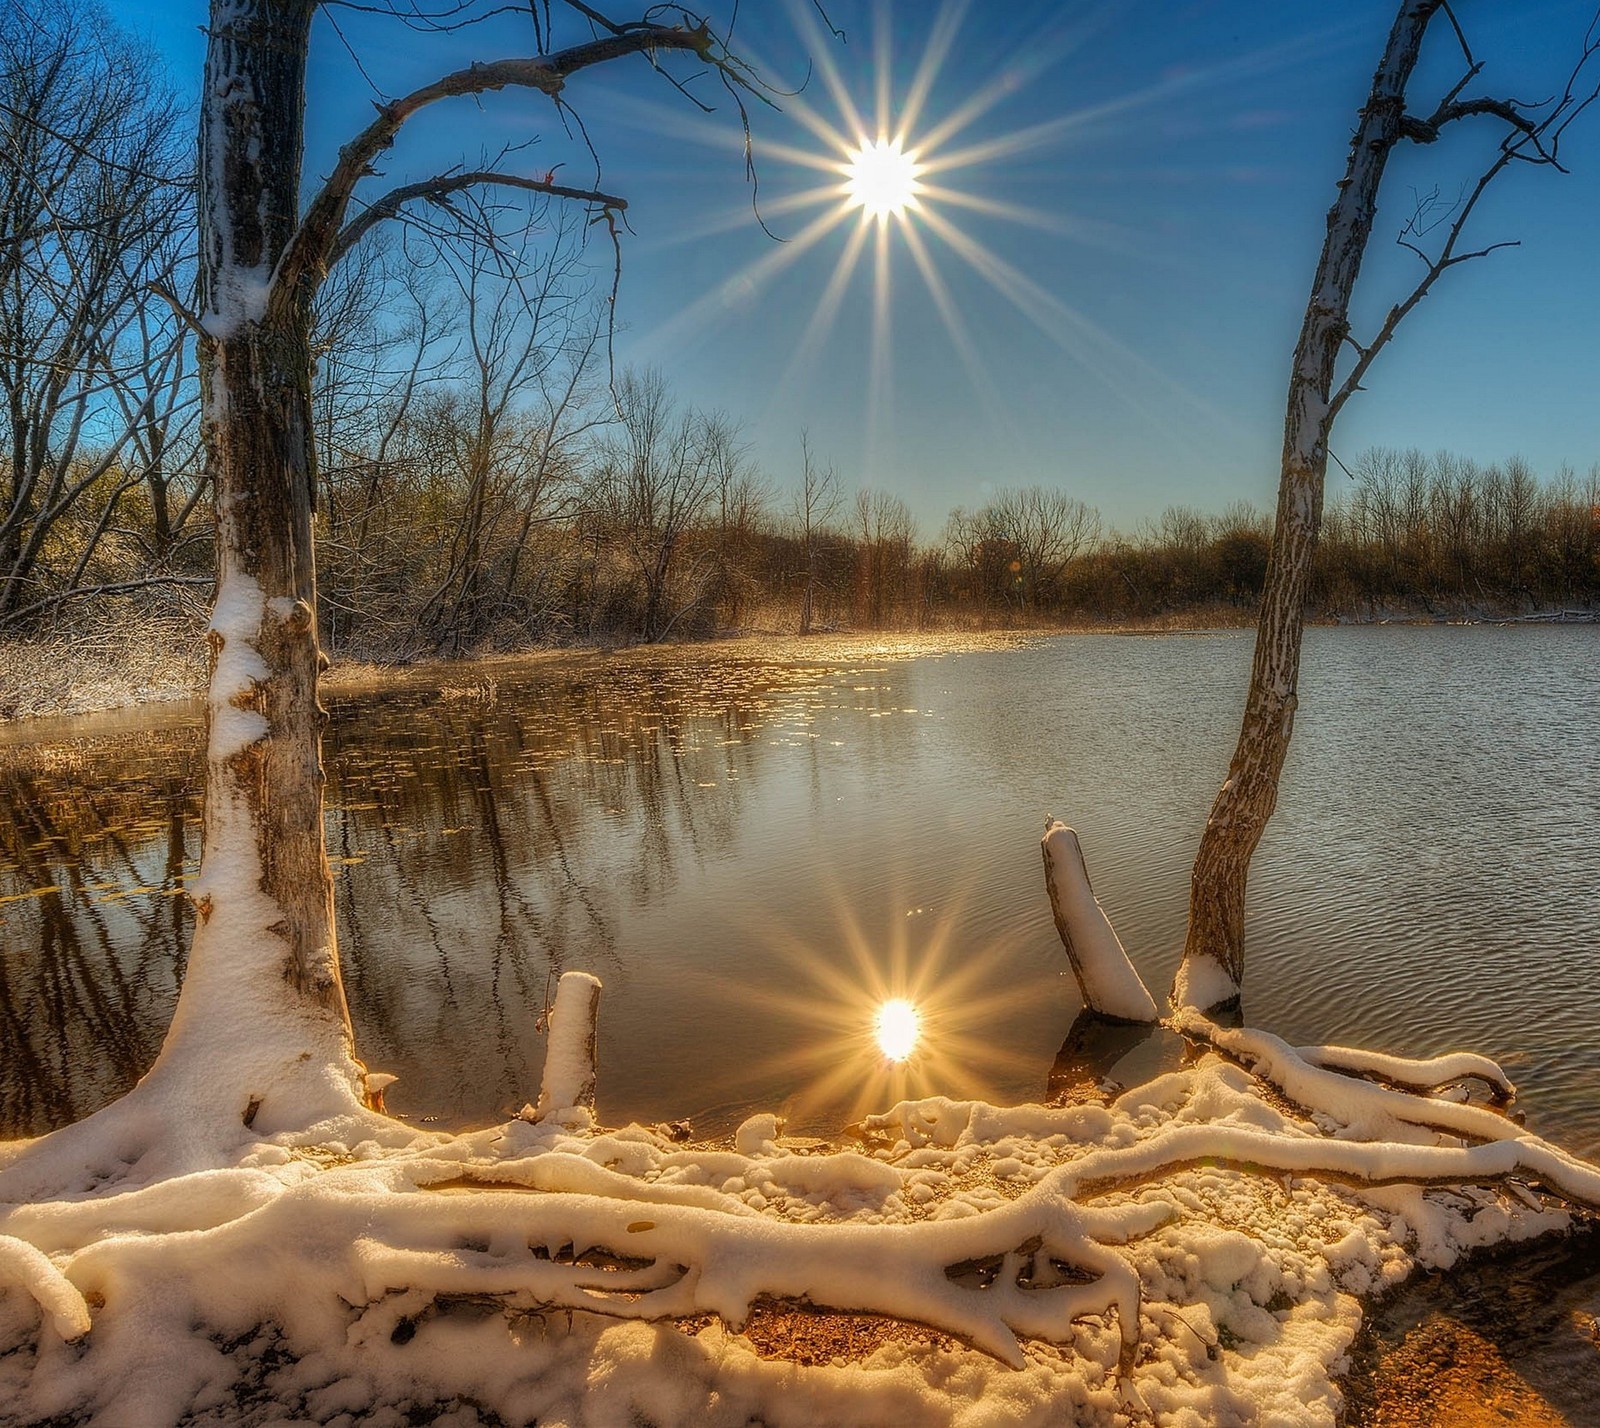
(1380, 1113)
(989, 1280)
(22, 1264)
(1106, 977)
(1418, 1075)
(568, 1085)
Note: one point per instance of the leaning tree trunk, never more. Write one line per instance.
(262, 1011)
(1213, 954)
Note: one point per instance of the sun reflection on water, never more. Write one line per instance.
(897, 1028)
(883, 1008)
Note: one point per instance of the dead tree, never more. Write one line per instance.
(262, 1013)
(816, 503)
(1213, 957)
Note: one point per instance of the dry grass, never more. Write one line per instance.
(120, 654)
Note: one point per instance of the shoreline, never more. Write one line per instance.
(55, 678)
(1497, 1338)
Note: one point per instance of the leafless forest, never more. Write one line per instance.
(487, 479)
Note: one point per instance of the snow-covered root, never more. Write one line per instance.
(55, 1294)
(372, 1260)
(988, 1280)
(1344, 1161)
(1106, 977)
(352, 1237)
(1425, 1074)
(1366, 1110)
(1388, 1117)
(395, 1235)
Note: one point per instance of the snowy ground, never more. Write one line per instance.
(1202, 1232)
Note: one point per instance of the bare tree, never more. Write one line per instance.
(1018, 545)
(656, 481)
(262, 1015)
(884, 530)
(1045, 530)
(741, 497)
(93, 366)
(530, 335)
(1213, 959)
(816, 503)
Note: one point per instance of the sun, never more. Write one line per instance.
(881, 179)
(897, 1027)
(898, 180)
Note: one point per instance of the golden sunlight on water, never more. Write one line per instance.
(897, 1027)
(777, 843)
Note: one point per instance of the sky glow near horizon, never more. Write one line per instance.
(1099, 275)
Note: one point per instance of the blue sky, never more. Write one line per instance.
(1156, 178)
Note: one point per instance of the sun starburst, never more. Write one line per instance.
(880, 178)
(900, 178)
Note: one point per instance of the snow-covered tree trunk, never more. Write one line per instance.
(262, 1003)
(1110, 984)
(1213, 954)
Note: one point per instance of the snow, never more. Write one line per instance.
(234, 1044)
(1106, 977)
(567, 1090)
(233, 1038)
(1425, 1075)
(357, 1270)
(1203, 982)
(240, 295)
(240, 291)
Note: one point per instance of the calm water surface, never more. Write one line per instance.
(754, 851)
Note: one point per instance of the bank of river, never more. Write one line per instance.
(754, 848)
(1510, 1338)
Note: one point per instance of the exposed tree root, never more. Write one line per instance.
(387, 1229)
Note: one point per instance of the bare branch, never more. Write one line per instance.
(311, 249)
(1426, 131)
(440, 187)
(118, 587)
(1530, 140)
(1461, 36)
(179, 310)
(1447, 258)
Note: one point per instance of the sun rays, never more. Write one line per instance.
(890, 1008)
(895, 192)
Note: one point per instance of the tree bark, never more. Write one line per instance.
(263, 984)
(1213, 955)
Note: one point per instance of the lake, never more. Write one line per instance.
(754, 849)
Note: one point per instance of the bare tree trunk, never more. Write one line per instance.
(265, 893)
(1213, 954)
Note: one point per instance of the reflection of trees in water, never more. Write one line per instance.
(487, 845)
(93, 847)
(487, 840)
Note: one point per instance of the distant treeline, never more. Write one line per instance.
(442, 538)
(483, 481)
(667, 533)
